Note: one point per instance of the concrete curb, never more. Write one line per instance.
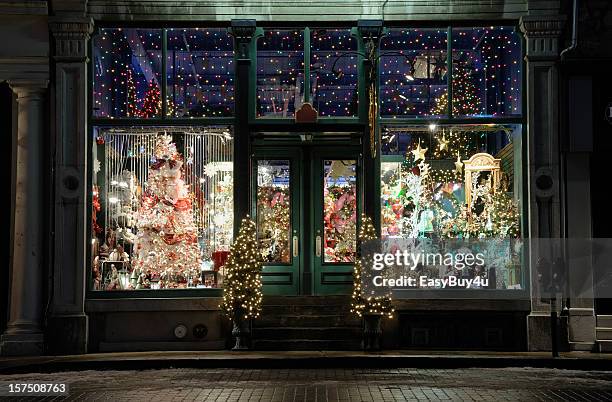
(255, 360)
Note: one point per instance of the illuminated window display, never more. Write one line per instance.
(340, 210)
(453, 182)
(487, 74)
(333, 87)
(273, 210)
(162, 207)
(127, 72)
(409, 86)
(200, 70)
(280, 73)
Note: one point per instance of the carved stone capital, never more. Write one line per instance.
(243, 32)
(30, 89)
(543, 35)
(71, 35)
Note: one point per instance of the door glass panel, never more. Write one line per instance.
(273, 210)
(339, 210)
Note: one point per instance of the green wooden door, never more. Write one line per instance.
(335, 199)
(276, 206)
(306, 205)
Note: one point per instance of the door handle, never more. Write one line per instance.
(295, 246)
(318, 246)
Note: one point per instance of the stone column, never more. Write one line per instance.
(542, 34)
(68, 326)
(23, 335)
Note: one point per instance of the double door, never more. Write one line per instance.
(306, 205)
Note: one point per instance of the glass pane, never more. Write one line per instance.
(487, 75)
(200, 68)
(333, 87)
(339, 210)
(413, 75)
(280, 73)
(127, 73)
(162, 211)
(274, 210)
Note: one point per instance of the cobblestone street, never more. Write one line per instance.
(469, 384)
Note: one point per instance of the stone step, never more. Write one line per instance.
(288, 309)
(603, 333)
(310, 333)
(306, 300)
(605, 346)
(604, 321)
(306, 344)
(328, 320)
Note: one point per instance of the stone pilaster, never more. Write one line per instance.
(542, 34)
(24, 335)
(68, 325)
(545, 176)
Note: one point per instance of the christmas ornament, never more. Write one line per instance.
(458, 164)
(419, 153)
(443, 142)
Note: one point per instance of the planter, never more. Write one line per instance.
(372, 332)
(241, 331)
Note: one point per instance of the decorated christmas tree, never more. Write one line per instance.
(465, 94)
(367, 304)
(151, 105)
(242, 287)
(167, 253)
(132, 101)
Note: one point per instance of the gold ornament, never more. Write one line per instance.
(443, 143)
(418, 152)
(458, 164)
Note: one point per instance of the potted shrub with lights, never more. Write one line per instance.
(242, 293)
(372, 308)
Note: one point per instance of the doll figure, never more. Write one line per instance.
(113, 283)
(119, 254)
(96, 275)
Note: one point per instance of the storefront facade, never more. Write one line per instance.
(171, 123)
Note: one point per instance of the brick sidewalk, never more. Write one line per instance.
(469, 384)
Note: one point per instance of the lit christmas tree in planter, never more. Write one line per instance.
(166, 249)
(372, 308)
(242, 294)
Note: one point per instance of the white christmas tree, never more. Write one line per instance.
(166, 250)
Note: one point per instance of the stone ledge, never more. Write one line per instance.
(159, 304)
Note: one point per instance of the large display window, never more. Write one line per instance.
(464, 182)
(162, 214)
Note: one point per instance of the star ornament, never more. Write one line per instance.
(443, 143)
(458, 164)
(419, 153)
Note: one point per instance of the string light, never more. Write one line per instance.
(369, 303)
(491, 58)
(199, 65)
(242, 294)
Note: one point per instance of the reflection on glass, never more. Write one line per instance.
(413, 85)
(280, 73)
(339, 210)
(273, 210)
(127, 72)
(333, 87)
(200, 72)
